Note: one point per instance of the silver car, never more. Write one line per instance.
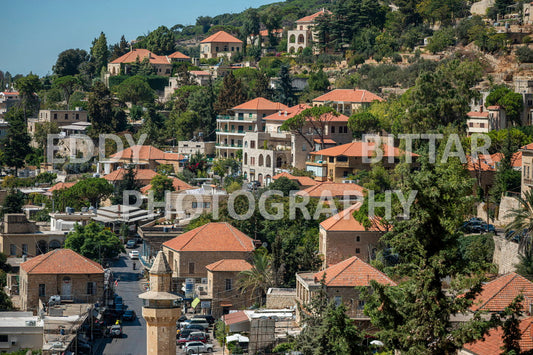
(197, 347)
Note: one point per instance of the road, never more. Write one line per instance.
(129, 287)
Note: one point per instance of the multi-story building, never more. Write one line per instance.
(346, 101)
(267, 153)
(161, 64)
(142, 156)
(190, 148)
(303, 35)
(485, 121)
(527, 168)
(60, 117)
(7, 100)
(247, 117)
(220, 44)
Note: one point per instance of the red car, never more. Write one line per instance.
(196, 336)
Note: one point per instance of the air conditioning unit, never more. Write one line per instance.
(204, 280)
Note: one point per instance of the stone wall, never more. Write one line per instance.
(280, 298)
(505, 255)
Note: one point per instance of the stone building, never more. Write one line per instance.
(303, 35)
(143, 157)
(220, 44)
(60, 272)
(160, 311)
(223, 286)
(162, 64)
(346, 101)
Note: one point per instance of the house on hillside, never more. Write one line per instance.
(189, 253)
(8, 99)
(143, 157)
(122, 65)
(342, 236)
(303, 35)
(340, 282)
(347, 193)
(485, 121)
(220, 44)
(142, 176)
(302, 181)
(60, 272)
(527, 168)
(346, 101)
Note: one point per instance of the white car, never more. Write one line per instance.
(134, 254)
(196, 347)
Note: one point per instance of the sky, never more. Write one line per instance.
(36, 31)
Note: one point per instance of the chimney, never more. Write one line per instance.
(480, 108)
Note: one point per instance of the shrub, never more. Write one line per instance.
(524, 54)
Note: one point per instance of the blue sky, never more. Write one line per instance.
(36, 31)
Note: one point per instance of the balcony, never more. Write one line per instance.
(233, 118)
(222, 145)
(342, 164)
(230, 131)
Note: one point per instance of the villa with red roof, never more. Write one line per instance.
(220, 44)
(303, 35)
(223, 288)
(342, 236)
(497, 294)
(142, 156)
(303, 181)
(60, 272)
(247, 117)
(162, 64)
(485, 121)
(178, 185)
(189, 253)
(142, 176)
(337, 163)
(346, 101)
(340, 282)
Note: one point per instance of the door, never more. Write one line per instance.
(66, 287)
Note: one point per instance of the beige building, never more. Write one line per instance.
(346, 101)
(161, 64)
(220, 44)
(7, 100)
(223, 289)
(340, 282)
(303, 35)
(60, 272)
(20, 237)
(60, 117)
(485, 121)
(20, 331)
(159, 310)
(186, 205)
(527, 168)
(342, 236)
(189, 253)
(190, 148)
(247, 118)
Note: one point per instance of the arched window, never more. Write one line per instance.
(245, 158)
(301, 39)
(268, 161)
(54, 244)
(261, 161)
(279, 162)
(292, 39)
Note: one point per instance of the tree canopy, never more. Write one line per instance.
(94, 242)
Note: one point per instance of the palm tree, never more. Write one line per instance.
(521, 227)
(259, 278)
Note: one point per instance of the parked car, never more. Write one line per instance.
(134, 254)
(197, 347)
(253, 185)
(472, 227)
(115, 331)
(197, 327)
(184, 333)
(130, 244)
(194, 336)
(209, 318)
(488, 228)
(129, 315)
(198, 321)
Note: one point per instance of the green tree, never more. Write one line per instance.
(94, 242)
(99, 53)
(524, 54)
(318, 81)
(160, 41)
(509, 100)
(231, 94)
(414, 317)
(13, 202)
(135, 89)
(28, 86)
(521, 226)
(284, 91)
(128, 183)
(119, 49)
(16, 144)
(92, 190)
(69, 62)
(160, 185)
(259, 278)
(251, 25)
(314, 118)
(271, 18)
(42, 130)
(104, 115)
(67, 84)
(284, 185)
(363, 123)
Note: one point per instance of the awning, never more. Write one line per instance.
(237, 337)
(225, 304)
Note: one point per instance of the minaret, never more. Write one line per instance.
(159, 310)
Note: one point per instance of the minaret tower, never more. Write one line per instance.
(159, 310)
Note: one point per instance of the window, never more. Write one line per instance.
(12, 249)
(191, 268)
(338, 300)
(228, 284)
(249, 128)
(332, 129)
(207, 204)
(3, 338)
(357, 251)
(232, 49)
(55, 116)
(42, 290)
(304, 147)
(77, 116)
(331, 159)
(360, 304)
(24, 249)
(250, 115)
(195, 204)
(252, 144)
(358, 239)
(91, 288)
(66, 116)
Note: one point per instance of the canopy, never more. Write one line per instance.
(237, 337)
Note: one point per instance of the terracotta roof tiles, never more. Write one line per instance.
(61, 186)
(131, 57)
(311, 18)
(229, 265)
(221, 37)
(61, 261)
(218, 236)
(349, 95)
(178, 184)
(140, 174)
(345, 221)
(476, 114)
(332, 189)
(179, 55)
(284, 115)
(301, 180)
(357, 149)
(145, 152)
(235, 317)
(499, 293)
(493, 342)
(352, 272)
(260, 104)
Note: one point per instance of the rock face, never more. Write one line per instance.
(505, 255)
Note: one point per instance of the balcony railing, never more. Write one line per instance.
(238, 131)
(238, 118)
(228, 145)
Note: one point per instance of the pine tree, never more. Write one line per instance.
(99, 53)
(284, 90)
(16, 144)
(231, 94)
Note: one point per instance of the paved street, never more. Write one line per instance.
(133, 341)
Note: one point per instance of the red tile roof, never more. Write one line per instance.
(326, 141)
(200, 73)
(131, 57)
(229, 265)
(476, 114)
(235, 317)
(221, 37)
(140, 174)
(499, 293)
(61, 261)
(493, 342)
(311, 18)
(494, 107)
(357, 149)
(61, 186)
(179, 55)
(178, 184)
(284, 115)
(333, 189)
(218, 236)
(260, 104)
(10, 93)
(528, 146)
(489, 162)
(352, 272)
(345, 221)
(301, 180)
(348, 95)
(264, 33)
(146, 152)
